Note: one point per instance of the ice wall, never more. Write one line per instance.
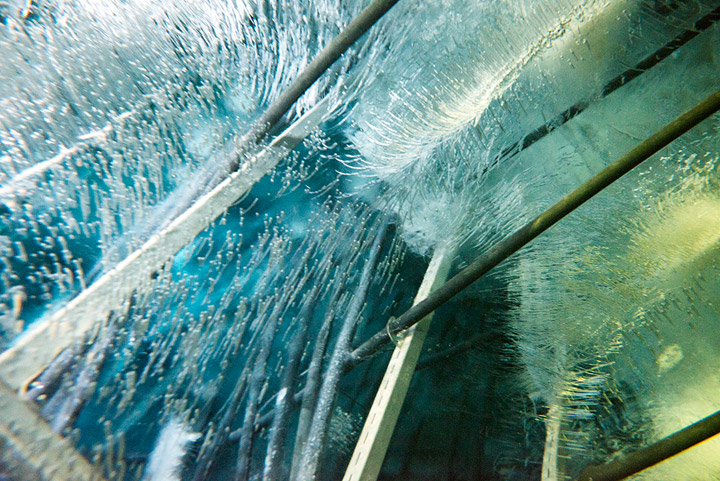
(587, 287)
(118, 115)
(110, 109)
(445, 118)
(571, 321)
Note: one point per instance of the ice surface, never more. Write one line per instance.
(110, 109)
(117, 116)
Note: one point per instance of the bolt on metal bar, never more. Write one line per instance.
(534, 228)
(646, 457)
(370, 450)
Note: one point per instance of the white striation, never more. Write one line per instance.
(166, 459)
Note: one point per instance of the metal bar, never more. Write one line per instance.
(30, 450)
(338, 46)
(534, 228)
(372, 445)
(437, 357)
(550, 469)
(618, 81)
(676, 443)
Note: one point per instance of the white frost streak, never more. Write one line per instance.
(165, 462)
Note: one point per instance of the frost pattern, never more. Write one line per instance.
(117, 115)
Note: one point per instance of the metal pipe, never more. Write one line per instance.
(333, 51)
(437, 357)
(534, 228)
(632, 463)
(618, 81)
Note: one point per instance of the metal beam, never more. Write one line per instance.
(540, 224)
(380, 423)
(30, 450)
(620, 80)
